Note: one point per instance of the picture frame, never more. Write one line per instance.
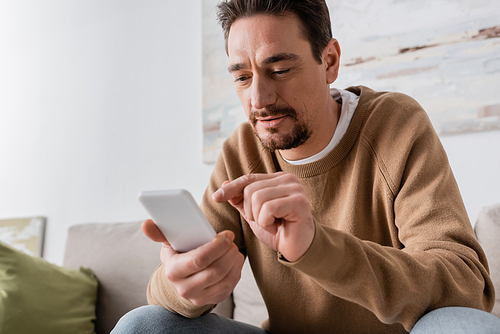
(24, 234)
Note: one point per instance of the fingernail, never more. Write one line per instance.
(224, 238)
(230, 236)
(216, 196)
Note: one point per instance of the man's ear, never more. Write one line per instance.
(331, 60)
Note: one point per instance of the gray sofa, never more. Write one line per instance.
(123, 259)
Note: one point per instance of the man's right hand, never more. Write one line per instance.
(205, 275)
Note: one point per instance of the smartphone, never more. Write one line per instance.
(178, 217)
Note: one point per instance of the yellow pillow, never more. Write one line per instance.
(40, 297)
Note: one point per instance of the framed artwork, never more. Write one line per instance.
(443, 53)
(24, 234)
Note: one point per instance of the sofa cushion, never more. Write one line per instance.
(122, 258)
(40, 297)
(488, 234)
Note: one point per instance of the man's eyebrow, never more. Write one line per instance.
(280, 57)
(269, 60)
(236, 67)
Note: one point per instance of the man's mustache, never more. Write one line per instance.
(272, 111)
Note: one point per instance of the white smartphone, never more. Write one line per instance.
(178, 217)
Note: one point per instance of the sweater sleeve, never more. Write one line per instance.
(161, 292)
(440, 263)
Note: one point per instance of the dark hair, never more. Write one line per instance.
(313, 15)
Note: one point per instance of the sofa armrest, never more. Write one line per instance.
(488, 234)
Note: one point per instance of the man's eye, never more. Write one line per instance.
(240, 79)
(281, 72)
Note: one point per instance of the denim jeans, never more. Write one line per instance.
(155, 319)
(457, 320)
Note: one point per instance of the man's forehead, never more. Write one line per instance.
(267, 38)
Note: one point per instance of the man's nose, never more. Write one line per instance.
(263, 93)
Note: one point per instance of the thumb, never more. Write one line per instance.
(152, 231)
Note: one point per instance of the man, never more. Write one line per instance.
(342, 200)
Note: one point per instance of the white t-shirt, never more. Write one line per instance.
(349, 103)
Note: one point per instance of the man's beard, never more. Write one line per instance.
(298, 136)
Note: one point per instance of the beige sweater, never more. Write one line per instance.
(392, 241)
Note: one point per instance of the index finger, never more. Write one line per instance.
(235, 188)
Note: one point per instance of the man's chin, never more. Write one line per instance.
(271, 141)
(279, 142)
(275, 138)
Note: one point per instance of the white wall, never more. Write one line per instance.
(98, 101)
(475, 160)
(102, 99)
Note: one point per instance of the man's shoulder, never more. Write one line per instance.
(395, 127)
(385, 101)
(390, 113)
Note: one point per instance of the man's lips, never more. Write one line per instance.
(271, 121)
(270, 118)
